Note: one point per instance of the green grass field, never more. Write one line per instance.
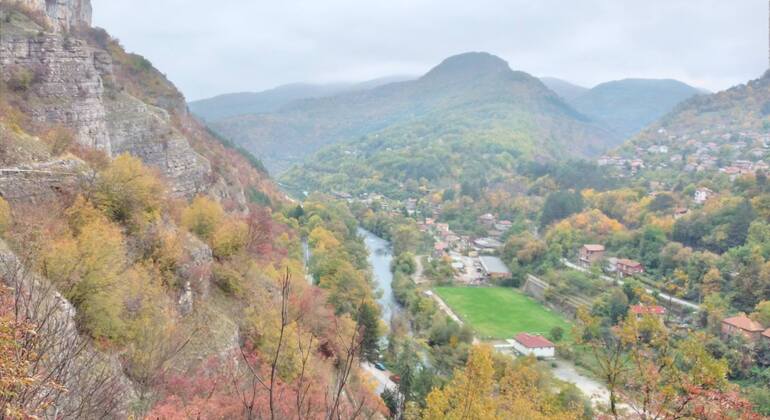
(498, 313)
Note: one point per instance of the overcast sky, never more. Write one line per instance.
(209, 47)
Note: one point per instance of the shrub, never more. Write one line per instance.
(128, 192)
(229, 238)
(5, 216)
(227, 279)
(556, 333)
(20, 79)
(202, 216)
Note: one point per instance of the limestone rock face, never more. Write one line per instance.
(64, 79)
(63, 15)
(66, 86)
(39, 181)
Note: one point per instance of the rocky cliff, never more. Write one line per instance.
(64, 80)
(62, 15)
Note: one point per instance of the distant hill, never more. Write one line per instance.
(628, 106)
(739, 114)
(568, 91)
(233, 104)
(473, 99)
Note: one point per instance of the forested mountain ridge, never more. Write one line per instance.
(628, 106)
(147, 268)
(243, 103)
(470, 97)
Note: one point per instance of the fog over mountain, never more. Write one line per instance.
(241, 45)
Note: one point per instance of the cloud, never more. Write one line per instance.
(212, 47)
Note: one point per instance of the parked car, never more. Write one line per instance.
(380, 366)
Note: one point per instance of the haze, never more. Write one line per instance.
(208, 48)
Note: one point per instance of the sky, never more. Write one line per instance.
(211, 47)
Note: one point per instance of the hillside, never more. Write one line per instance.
(472, 97)
(242, 103)
(627, 106)
(568, 91)
(146, 266)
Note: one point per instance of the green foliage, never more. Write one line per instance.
(228, 279)
(258, 197)
(202, 216)
(128, 192)
(229, 238)
(560, 205)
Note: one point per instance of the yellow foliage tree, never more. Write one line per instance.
(202, 216)
(128, 192)
(5, 216)
(229, 238)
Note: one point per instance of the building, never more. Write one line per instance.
(494, 267)
(487, 220)
(536, 345)
(641, 310)
(741, 324)
(488, 243)
(591, 253)
(702, 195)
(628, 268)
(766, 335)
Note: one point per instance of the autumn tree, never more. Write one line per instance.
(202, 216)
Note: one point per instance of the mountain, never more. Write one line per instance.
(470, 97)
(627, 106)
(568, 91)
(233, 104)
(713, 129)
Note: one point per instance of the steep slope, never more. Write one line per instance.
(627, 106)
(725, 132)
(568, 91)
(234, 104)
(473, 95)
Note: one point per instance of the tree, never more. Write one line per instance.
(762, 313)
(5, 216)
(557, 333)
(128, 192)
(369, 322)
(202, 216)
(560, 205)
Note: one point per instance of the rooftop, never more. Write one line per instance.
(594, 247)
(493, 265)
(642, 309)
(531, 341)
(745, 323)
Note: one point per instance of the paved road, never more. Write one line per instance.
(382, 378)
(662, 295)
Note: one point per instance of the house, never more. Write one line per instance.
(766, 335)
(503, 225)
(488, 243)
(591, 253)
(487, 220)
(628, 267)
(702, 194)
(680, 212)
(494, 267)
(641, 310)
(536, 345)
(439, 249)
(742, 324)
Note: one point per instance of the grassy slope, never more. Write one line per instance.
(499, 313)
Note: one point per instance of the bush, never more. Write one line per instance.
(228, 280)
(20, 79)
(229, 238)
(5, 216)
(556, 333)
(128, 192)
(202, 217)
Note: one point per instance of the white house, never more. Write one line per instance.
(535, 345)
(702, 194)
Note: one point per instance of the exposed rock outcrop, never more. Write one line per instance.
(63, 81)
(63, 15)
(39, 181)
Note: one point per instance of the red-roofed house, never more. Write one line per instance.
(629, 267)
(535, 345)
(641, 310)
(591, 253)
(741, 324)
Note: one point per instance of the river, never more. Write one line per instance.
(380, 257)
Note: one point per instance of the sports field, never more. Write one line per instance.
(498, 313)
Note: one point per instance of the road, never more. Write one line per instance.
(662, 295)
(382, 378)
